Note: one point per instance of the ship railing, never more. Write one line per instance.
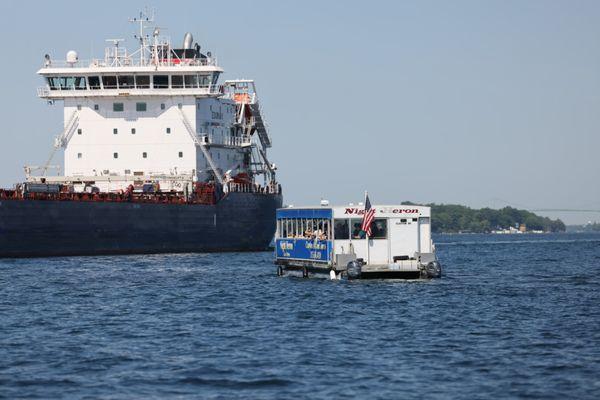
(238, 141)
(72, 91)
(132, 62)
(233, 187)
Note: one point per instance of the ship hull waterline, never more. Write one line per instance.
(36, 228)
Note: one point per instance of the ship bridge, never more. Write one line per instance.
(155, 69)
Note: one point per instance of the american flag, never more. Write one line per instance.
(368, 216)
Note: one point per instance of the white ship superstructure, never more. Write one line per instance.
(154, 115)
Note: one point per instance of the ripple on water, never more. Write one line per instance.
(512, 317)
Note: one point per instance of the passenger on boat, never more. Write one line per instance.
(357, 232)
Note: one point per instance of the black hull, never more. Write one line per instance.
(36, 228)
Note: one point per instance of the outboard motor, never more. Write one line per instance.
(434, 269)
(354, 270)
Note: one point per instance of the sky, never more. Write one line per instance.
(481, 103)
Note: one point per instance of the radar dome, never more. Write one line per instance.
(72, 57)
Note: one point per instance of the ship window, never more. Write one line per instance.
(403, 221)
(80, 83)
(115, 131)
(115, 155)
(54, 83)
(215, 78)
(142, 81)
(181, 154)
(162, 106)
(145, 155)
(79, 131)
(179, 105)
(160, 81)
(177, 81)
(140, 106)
(133, 131)
(109, 82)
(168, 130)
(341, 229)
(415, 219)
(67, 82)
(118, 107)
(379, 228)
(94, 82)
(191, 81)
(126, 82)
(203, 80)
(78, 107)
(96, 107)
(78, 155)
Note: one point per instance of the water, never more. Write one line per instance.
(514, 316)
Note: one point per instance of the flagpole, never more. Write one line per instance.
(366, 234)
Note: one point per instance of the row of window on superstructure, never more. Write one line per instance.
(144, 155)
(188, 81)
(120, 107)
(116, 131)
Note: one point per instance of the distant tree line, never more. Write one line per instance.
(453, 218)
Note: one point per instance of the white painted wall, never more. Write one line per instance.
(92, 151)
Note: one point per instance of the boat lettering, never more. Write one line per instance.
(385, 210)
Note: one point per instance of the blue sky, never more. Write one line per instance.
(481, 103)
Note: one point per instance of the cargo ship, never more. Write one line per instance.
(159, 157)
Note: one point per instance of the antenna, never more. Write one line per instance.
(143, 20)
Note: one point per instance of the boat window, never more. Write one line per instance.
(142, 82)
(126, 82)
(355, 229)
(379, 228)
(118, 107)
(215, 78)
(160, 81)
(341, 229)
(424, 220)
(54, 82)
(109, 82)
(94, 82)
(140, 107)
(80, 83)
(177, 81)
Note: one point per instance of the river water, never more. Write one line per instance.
(513, 317)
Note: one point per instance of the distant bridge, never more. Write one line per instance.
(563, 210)
(533, 209)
